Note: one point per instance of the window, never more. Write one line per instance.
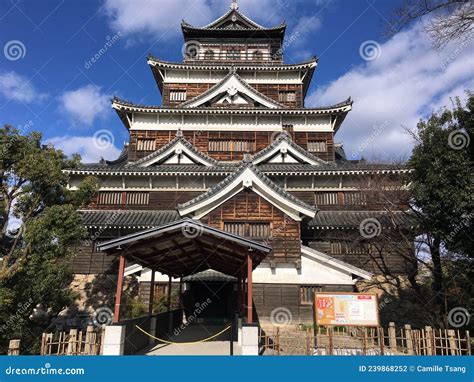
(317, 146)
(231, 145)
(253, 230)
(209, 55)
(307, 292)
(336, 248)
(287, 96)
(137, 198)
(146, 144)
(355, 199)
(257, 55)
(326, 198)
(177, 95)
(233, 54)
(110, 198)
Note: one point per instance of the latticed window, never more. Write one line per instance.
(233, 54)
(355, 199)
(231, 145)
(177, 95)
(307, 292)
(110, 198)
(209, 55)
(146, 144)
(336, 248)
(257, 55)
(253, 230)
(138, 198)
(287, 96)
(317, 146)
(326, 198)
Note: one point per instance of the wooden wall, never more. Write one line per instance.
(250, 207)
(200, 140)
(269, 90)
(268, 297)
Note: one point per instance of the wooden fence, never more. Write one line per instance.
(365, 341)
(73, 343)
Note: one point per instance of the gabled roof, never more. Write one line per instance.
(178, 151)
(284, 150)
(232, 20)
(231, 86)
(342, 265)
(247, 177)
(127, 218)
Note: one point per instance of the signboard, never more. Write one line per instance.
(346, 309)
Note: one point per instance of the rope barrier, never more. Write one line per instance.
(181, 343)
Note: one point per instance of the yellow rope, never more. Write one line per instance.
(182, 343)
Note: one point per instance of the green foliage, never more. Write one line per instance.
(34, 269)
(442, 181)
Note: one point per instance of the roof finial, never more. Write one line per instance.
(234, 5)
(179, 133)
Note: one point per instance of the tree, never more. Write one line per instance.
(443, 192)
(449, 20)
(34, 268)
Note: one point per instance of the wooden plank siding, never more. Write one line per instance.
(250, 207)
(270, 90)
(200, 139)
(268, 298)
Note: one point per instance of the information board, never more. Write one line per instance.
(348, 309)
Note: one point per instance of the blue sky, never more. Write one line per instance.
(46, 83)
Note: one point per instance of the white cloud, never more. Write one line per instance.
(85, 104)
(16, 87)
(407, 82)
(90, 148)
(162, 18)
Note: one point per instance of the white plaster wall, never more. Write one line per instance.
(312, 272)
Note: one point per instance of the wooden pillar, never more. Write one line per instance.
(249, 290)
(169, 293)
(239, 295)
(118, 292)
(152, 292)
(180, 297)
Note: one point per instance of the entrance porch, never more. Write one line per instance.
(214, 269)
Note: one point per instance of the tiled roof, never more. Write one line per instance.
(209, 276)
(220, 186)
(127, 218)
(351, 219)
(231, 73)
(285, 137)
(181, 140)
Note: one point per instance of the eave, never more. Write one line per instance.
(339, 111)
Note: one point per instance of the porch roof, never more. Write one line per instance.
(186, 247)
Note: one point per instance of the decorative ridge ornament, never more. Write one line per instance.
(234, 6)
